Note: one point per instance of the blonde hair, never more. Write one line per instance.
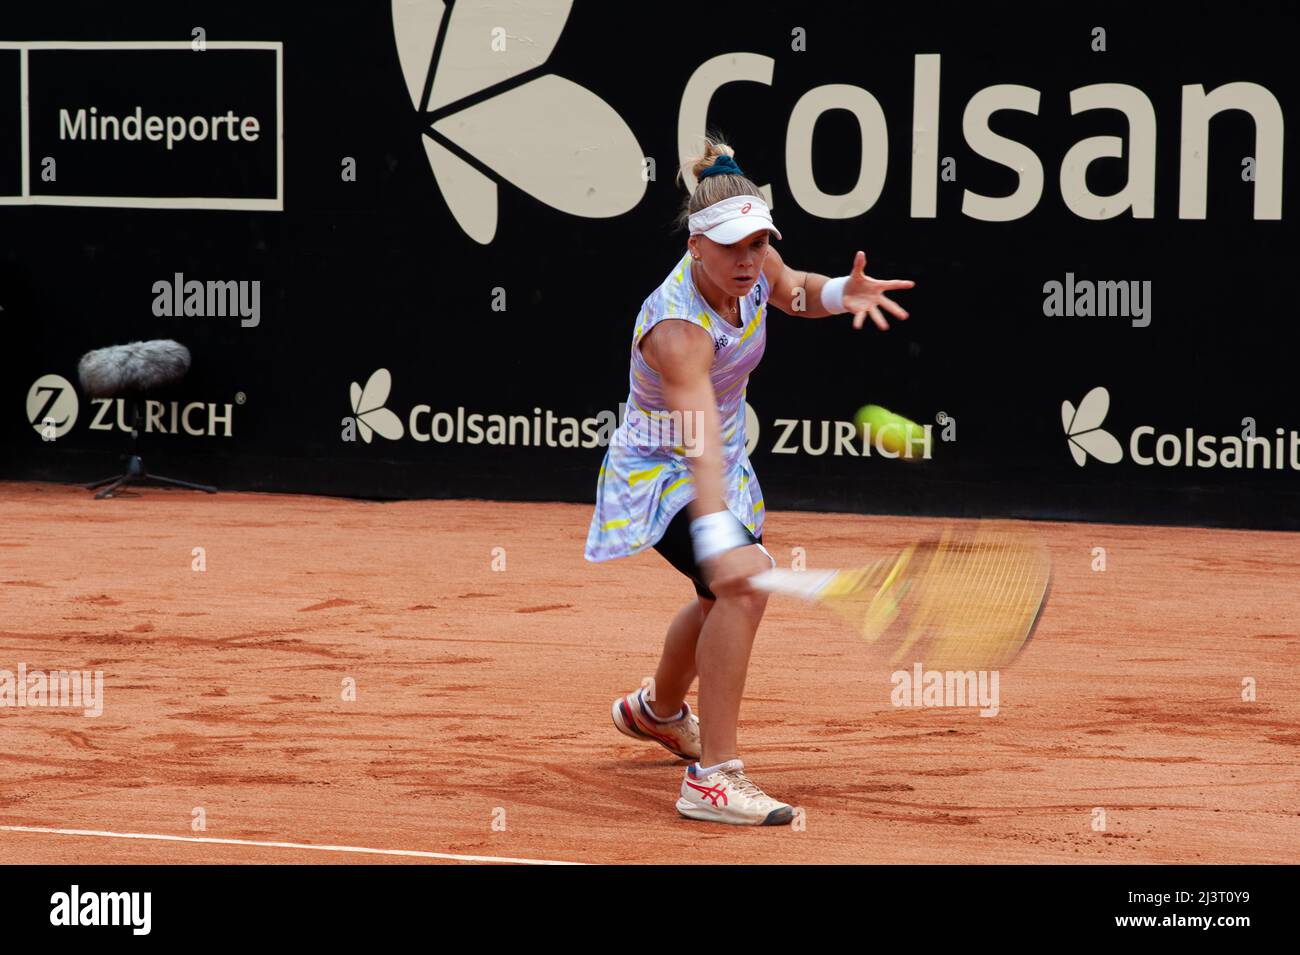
(714, 188)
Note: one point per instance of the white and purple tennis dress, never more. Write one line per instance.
(644, 482)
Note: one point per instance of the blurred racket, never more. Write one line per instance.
(968, 598)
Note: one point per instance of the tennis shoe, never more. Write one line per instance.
(681, 736)
(723, 793)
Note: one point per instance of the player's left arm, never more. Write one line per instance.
(799, 293)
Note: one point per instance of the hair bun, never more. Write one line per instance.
(712, 154)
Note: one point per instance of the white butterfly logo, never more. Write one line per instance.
(550, 137)
(368, 407)
(1083, 428)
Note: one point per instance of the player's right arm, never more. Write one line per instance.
(682, 354)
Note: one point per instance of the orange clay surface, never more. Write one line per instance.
(483, 696)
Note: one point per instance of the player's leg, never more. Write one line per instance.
(716, 788)
(722, 657)
(665, 718)
(676, 670)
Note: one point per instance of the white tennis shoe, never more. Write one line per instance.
(681, 737)
(723, 793)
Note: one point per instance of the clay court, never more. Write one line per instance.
(480, 690)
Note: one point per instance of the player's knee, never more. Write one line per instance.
(751, 604)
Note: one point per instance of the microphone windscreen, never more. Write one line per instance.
(134, 367)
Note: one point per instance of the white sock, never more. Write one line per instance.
(702, 771)
(660, 719)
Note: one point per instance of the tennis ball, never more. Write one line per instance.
(893, 433)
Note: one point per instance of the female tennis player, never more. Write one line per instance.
(676, 475)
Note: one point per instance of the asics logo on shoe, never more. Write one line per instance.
(646, 726)
(713, 793)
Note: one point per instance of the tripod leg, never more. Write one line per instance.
(117, 477)
(178, 483)
(108, 491)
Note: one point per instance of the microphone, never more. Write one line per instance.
(132, 368)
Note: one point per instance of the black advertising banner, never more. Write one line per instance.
(406, 244)
(11, 123)
(174, 129)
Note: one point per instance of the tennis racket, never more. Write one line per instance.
(967, 598)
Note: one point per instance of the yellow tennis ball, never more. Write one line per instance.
(891, 432)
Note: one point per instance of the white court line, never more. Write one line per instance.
(417, 853)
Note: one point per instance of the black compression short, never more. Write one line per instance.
(677, 549)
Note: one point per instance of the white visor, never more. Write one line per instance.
(732, 219)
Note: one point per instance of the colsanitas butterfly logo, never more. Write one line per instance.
(1084, 430)
(369, 411)
(550, 137)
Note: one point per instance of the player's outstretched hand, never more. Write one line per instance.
(864, 295)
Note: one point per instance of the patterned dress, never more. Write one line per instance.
(645, 480)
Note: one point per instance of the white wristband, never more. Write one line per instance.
(714, 533)
(833, 294)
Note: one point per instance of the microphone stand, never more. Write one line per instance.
(135, 469)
